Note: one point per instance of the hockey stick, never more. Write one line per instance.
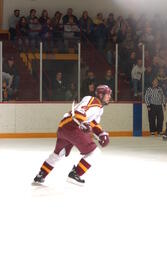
(76, 121)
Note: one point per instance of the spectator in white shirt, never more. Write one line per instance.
(136, 74)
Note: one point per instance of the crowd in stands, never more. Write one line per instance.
(30, 30)
(129, 33)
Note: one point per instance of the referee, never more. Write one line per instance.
(155, 100)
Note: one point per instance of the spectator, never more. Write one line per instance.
(86, 25)
(129, 64)
(147, 58)
(155, 66)
(129, 40)
(4, 91)
(47, 36)
(110, 54)
(147, 38)
(7, 90)
(120, 29)
(162, 80)
(90, 90)
(68, 16)
(44, 17)
(57, 20)
(155, 99)
(137, 72)
(162, 59)
(148, 78)
(132, 23)
(110, 22)
(89, 80)
(157, 47)
(58, 88)
(7, 78)
(99, 32)
(34, 33)
(57, 25)
(71, 34)
(110, 50)
(162, 77)
(10, 68)
(13, 21)
(109, 80)
(32, 16)
(71, 93)
(23, 33)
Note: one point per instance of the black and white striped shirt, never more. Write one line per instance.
(154, 96)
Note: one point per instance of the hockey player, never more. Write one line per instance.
(75, 129)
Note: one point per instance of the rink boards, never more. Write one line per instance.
(41, 119)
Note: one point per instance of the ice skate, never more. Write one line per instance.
(39, 179)
(74, 178)
(164, 136)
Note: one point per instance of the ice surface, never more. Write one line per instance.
(121, 210)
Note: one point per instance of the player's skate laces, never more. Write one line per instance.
(73, 177)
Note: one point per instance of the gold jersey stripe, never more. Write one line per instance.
(80, 116)
(46, 168)
(82, 167)
(62, 123)
(90, 102)
(95, 125)
(95, 105)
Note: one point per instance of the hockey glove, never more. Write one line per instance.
(103, 139)
(85, 127)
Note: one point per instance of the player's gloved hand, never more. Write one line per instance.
(104, 139)
(85, 127)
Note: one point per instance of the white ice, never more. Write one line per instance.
(121, 210)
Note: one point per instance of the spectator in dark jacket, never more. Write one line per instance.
(86, 25)
(90, 79)
(90, 90)
(109, 80)
(58, 88)
(148, 77)
(68, 16)
(23, 33)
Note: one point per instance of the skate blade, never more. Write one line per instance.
(37, 184)
(72, 181)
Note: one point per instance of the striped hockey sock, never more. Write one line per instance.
(82, 167)
(45, 169)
